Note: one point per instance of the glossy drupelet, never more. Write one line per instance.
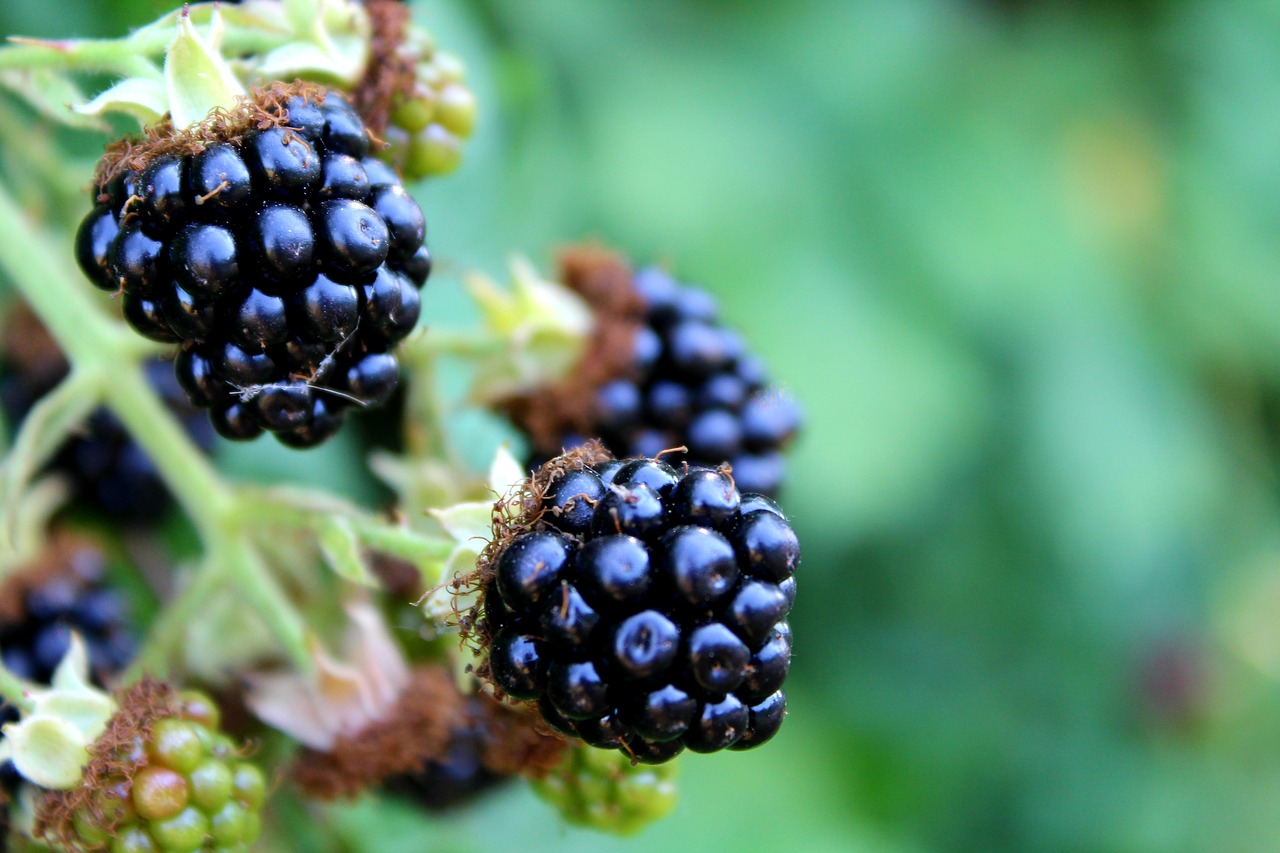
(646, 610)
(287, 267)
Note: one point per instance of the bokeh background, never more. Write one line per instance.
(1021, 263)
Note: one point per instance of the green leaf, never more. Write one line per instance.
(52, 94)
(145, 100)
(341, 548)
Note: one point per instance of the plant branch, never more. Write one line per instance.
(14, 692)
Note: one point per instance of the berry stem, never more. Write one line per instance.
(48, 423)
(117, 56)
(14, 692)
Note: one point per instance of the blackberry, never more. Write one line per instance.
(41, 605)
(661, 372)
(284, 261)
(63, 591)
(107, 470)
(646, 613)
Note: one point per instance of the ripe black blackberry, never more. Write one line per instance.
(42, 604)
(62, 592)
(107, 470)
(661, 372)
(283, 259)
(641, 608)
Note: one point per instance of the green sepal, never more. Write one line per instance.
(543, 325)
(197, 78)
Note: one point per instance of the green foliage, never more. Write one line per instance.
(1021, 269)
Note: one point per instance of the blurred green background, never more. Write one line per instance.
(1020, 261)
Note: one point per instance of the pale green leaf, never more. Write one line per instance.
(145, 100)
(52, 94)
(341, 548)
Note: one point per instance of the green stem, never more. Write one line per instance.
(14, 691)
(116, 56)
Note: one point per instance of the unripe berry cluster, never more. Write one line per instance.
(429, 123)
(604, 791)
(189, 791)
(287, 264)
(646, 610)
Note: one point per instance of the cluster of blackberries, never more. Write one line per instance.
(107, 469)
(288, 266)
(647, 611)
(692, 383)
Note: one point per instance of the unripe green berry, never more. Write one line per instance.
(200, 709)
(252, 827)
(416, 113)
(89, 833)
(456, 109)
(115, 801)
(211, 783)
(176, 744)
(183, 832)
(227, 825)
(449, 67)
(133, 839)
(159, 793)
(249, 786)
(601, 789)
(434, 152)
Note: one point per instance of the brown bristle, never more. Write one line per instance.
(390, 73)
(260, 109)
(416, 731)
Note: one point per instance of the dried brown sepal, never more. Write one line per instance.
(417, 730)
(514, 514)
(66, 558)
(115, 756)
(515, 742)
(260, 109)
(390, 73)
(604, 280)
